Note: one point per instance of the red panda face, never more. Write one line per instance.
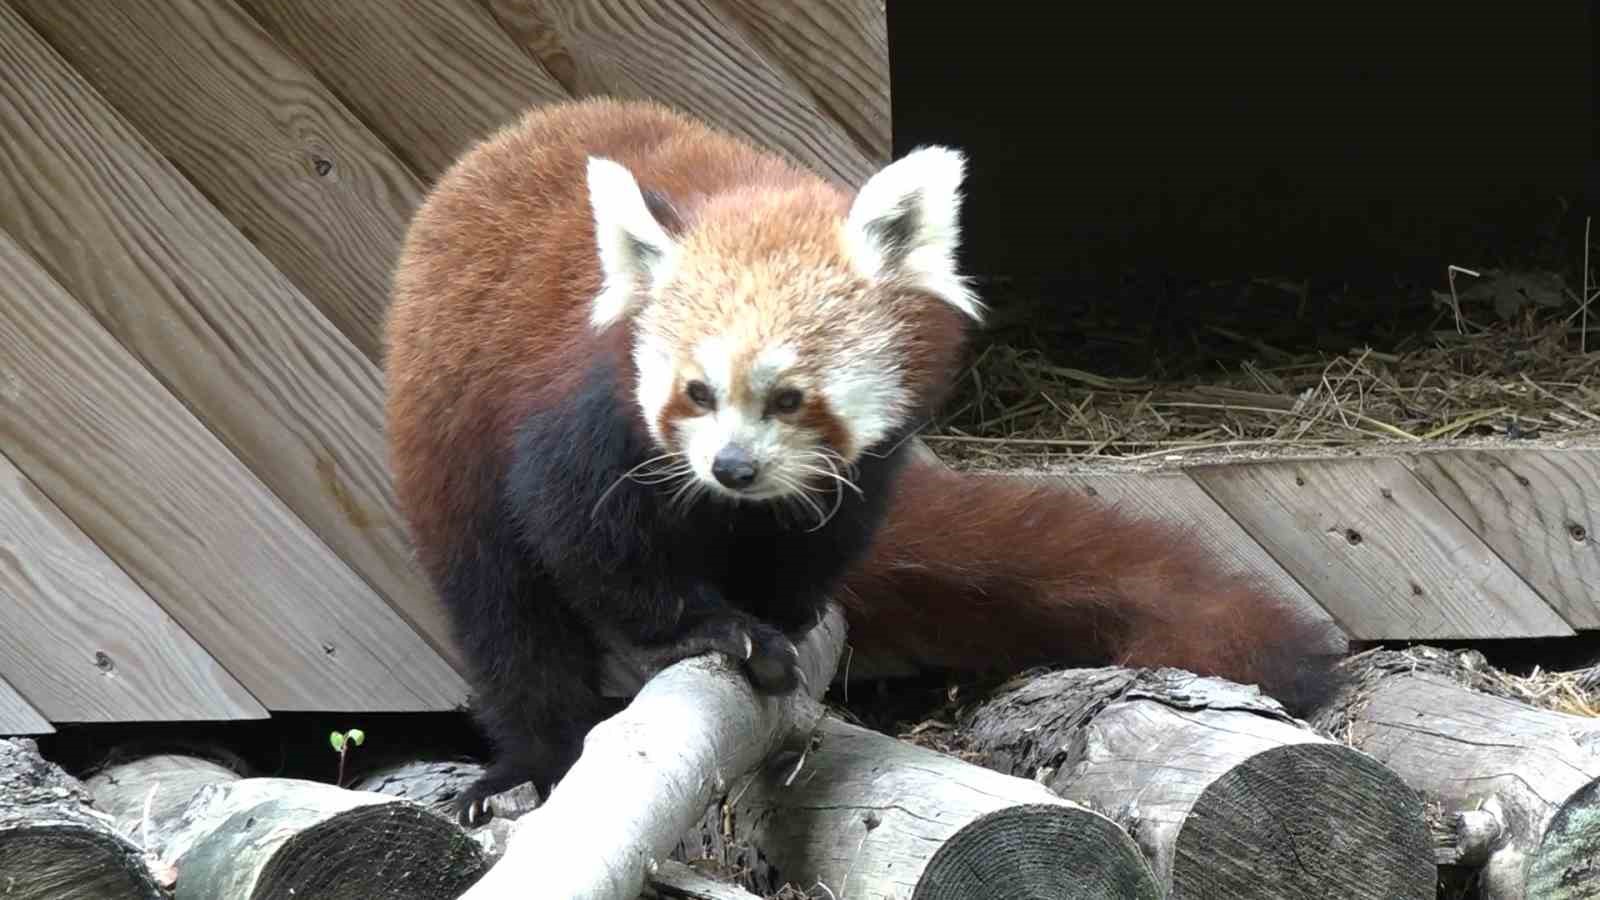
(777, 336)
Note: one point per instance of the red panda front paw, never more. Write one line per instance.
(774, 662)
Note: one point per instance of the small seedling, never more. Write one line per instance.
(341, 741)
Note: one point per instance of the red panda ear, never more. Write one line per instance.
(635, 251)
(905, 224)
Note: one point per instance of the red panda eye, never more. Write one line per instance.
(701, 394)
(787, 401)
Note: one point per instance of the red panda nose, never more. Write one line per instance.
(733, 467)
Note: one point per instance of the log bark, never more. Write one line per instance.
(53, 844)
(1511, 789)
(1227, 794)
(869, 816)
(229, 838)
(647, 774)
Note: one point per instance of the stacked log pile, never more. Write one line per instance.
(1079, 783)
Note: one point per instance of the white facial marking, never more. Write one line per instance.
(906, 221)
(636, 254)
(652, 360)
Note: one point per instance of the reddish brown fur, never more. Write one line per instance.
(1003, 572)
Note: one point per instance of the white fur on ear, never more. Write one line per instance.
(905, 222)
(636, 253)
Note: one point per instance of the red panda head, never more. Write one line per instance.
(782, 330)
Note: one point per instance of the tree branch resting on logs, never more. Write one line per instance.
(648, 773)
(1510, 788)
(1228, 795)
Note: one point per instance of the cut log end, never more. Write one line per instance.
(269, 837)
(70, 860)
(1567, 863)
(1037, 850)
(1304, 820)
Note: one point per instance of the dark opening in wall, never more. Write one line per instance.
(1134, 165)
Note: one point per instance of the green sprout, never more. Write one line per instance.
(341, 741)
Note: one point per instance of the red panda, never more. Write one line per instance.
(650, 391)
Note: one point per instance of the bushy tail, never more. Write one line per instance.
(983, 572)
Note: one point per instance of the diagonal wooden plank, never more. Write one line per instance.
(1537, 509)
(691, 56)
(838, 50)
(82, 640)
(188, 522)
(222, 328)
(318, 193)
(17, 716)
(1378, 550)
(431, 76)
(1173, 497)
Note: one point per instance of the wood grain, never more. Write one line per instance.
(431, 76)
(691, 56)
(188, 522)
(838, 50)
(1537, 509)
(1378, 551)
(531, 28)
(83, 640)
(318, 193)
(198, 305)
(1173, 497)
(17, 716)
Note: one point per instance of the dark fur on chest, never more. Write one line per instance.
(568, 562)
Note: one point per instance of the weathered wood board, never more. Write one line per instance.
(1173, 497)
(431, 76)
(164, 499)
(83, 640)
(267, 143)
(1378, 550)
(838, 50)
(1538, 509)
(17, 716)
(691, 56)
(178, 286)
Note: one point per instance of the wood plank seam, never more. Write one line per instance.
(181, 680)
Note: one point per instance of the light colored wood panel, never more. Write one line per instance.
(1538, 509)
(83, 640)
(691, 56)
(1174, 498)
(431, 76)
(17, 717)
(318, 193)
(1378, 551)
(198, 305)
(838, 50)
(188, 522)
(531, 28)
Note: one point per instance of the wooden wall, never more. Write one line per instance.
(200, 202)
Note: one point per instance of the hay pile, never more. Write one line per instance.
(1507, 357)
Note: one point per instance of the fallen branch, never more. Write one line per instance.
(866, 815)
(647, 775)
(53, 843)
(1512, 790)
(1227, 794)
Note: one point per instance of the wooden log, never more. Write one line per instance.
(53, 844)
(1511, 789)
(866, 815)
(648, 773)
(145, 795)
(672, 880)
(1227, 794)
(286, 837)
